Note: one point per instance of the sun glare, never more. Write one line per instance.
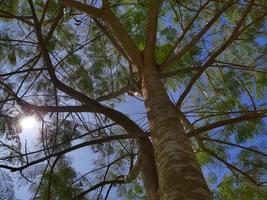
(28, 122)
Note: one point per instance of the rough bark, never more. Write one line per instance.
(148, 168)
(179, 175)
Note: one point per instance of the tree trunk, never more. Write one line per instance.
(179, 175)
(148, 169)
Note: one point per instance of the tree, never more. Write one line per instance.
(62, 180)
(71, 63)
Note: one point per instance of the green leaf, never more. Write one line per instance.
(74, 59)
(12, 58)
(9, 5)
(203, 158)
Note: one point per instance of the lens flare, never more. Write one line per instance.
(28, 122)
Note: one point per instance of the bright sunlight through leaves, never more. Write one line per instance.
(28, 123)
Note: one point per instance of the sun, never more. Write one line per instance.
(28, 123)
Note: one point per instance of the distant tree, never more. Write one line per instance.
(59, 184)
(198, 67)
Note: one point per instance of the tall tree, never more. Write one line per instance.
(198, 67)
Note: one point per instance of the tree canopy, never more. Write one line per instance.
(73, 64)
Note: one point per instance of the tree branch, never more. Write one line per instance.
(50, 176)
(172, 59)
(187, 28)
(225, 122)
(184, 70)
(111, 38)
(114, 94)
(113, 22)
(236, 32)
(213, 154)
(89, 10)
(249, 94)
(151, 31)
(235, 145)
(130, 126)
(8, 15)
(134, 172)
(65, 151)
(55, 146)
(97, 186)
(22, 71)
(123, 37)
(230, 166)
(55, 23)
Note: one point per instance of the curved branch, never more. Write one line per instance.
(97, 186)
(130, 126)
(225, 122)
(75, 147)
(89, 10)
(114, 94)
(106, 14)
(134, 172)
(235, 145)
(230, 166)
(124, 38)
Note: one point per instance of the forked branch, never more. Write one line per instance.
(235, 33)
